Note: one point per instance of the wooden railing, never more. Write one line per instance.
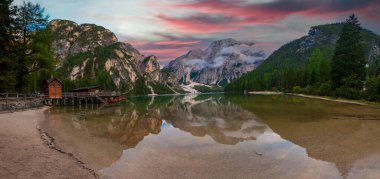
(19, 96)
(23, 96)
(90, 94)
(20, 101)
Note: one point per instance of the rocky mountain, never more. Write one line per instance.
(91, 55)
(285, 68)
(223, 61)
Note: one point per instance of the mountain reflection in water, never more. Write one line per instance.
(209, 136)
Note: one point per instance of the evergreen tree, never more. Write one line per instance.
(318, 68)
(34, 45)
(324, 69)
(349, 58)
(313, 66)
(7, 55)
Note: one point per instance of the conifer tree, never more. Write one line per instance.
(33, 41)
(313, 67)
(324, 69)
(7, 47)
(349, 58)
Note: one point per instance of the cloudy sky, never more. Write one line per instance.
(170, 28)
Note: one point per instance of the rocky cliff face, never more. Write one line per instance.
(91, 54)
(150, 68)
(223, 61)
(72, 39)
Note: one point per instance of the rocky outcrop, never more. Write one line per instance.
(150, 68)
(71, 38)
(92, 54)
(223, 61)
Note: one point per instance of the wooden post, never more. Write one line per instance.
(6, 99)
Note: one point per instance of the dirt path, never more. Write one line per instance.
(25, 154)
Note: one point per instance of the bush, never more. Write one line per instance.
(347, 92)
(325, 89)
(309, 90)
(373, 91)
(350, 87)
(297, 89)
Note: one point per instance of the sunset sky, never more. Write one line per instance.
(170, 28)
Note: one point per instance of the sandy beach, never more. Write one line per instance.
(25, 151)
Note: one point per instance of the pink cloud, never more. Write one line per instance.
(202, 23)
(225, 15)
(168, 48)
(177, 42)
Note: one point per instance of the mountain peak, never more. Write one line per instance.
(195, 54)
(221, 62)
(57, 23)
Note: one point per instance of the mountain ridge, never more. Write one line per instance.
(222, 61)
(89, 54)
(288, 63)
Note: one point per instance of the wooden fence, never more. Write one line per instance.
(20, 101)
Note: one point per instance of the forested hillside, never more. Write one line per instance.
(298, 64)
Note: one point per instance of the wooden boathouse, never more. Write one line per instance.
(53, 88)
(92, 94)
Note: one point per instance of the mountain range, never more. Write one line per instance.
(92, 55)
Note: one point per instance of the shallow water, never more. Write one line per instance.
(217, 136)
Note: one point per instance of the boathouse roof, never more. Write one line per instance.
(52, 79)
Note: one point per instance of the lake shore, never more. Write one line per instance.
(330, 99)
(28, 152)
(326, 98)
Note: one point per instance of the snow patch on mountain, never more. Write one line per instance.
(223, 61)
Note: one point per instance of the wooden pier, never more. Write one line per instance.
(84, 95)
(79, 98)
(53, 95)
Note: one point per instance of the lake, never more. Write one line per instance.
(221, 136)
